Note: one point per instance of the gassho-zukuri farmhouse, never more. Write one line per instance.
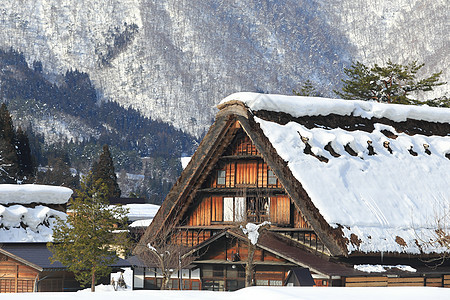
(355, 193)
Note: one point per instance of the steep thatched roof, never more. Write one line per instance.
(379, 172)
(368, 177)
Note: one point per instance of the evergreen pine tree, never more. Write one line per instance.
(392, 83)
(26, 161)
(104, 170)
(8, 156)
(307, 89)
(83, 241)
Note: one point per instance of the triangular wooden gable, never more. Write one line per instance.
(5, 255)
(242, 174)
(235, 126)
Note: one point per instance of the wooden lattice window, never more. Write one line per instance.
(25, 286)
(7, 285)
(221, 177)
(271, 178)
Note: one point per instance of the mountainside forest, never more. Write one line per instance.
(144, 76)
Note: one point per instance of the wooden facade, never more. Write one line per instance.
(432, 281)
(16, 277)
(20, 276)
(240, 188)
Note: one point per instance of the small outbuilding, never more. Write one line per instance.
(299, 277)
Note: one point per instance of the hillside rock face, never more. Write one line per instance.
(174, 59)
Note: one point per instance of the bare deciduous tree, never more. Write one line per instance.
(440, 237)
(252, 233)
(165, 252)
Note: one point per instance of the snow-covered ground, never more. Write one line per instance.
(260, 293)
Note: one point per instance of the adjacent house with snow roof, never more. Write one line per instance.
(27, 218)
(28, 212)
(348, 186)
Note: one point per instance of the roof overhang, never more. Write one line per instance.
(21, 260)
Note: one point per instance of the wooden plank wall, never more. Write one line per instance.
(217, 209)
(244, 146)
(436, 282)
(227, 249)
(299, 220)
(366, 281)
(384, 281)
(191, 237)
(16, 277)
(406, 281)
(246, 173)
(447, 281)
(201, 216)
(210, 210)
(251, 173)
(280, 210)
(273, 274)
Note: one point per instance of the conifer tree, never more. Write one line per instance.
(84, 241)
(59, 174)
(25, 159)
(307, 89)
(8, 156)
(392, 83)
(104, 170)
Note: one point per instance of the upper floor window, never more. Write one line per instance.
(271, 178)
(221, 175)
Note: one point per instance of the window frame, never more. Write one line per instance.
(221, 177)
(270, 178)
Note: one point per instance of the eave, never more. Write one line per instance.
(21, 260)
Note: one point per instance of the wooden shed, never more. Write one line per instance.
(26, 267)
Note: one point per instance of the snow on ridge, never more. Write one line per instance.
(298, 106)
(33, 193)
(20, 224)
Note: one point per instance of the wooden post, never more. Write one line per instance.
(16, 280)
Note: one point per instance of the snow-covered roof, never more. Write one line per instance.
(141, 211)
(384, 202)
(299, 106)
(33, 193)
(20, 224)
(141, 223)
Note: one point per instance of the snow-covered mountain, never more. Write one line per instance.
(174, 59)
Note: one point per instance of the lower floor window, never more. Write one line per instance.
(264, 282)
(213, 285)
